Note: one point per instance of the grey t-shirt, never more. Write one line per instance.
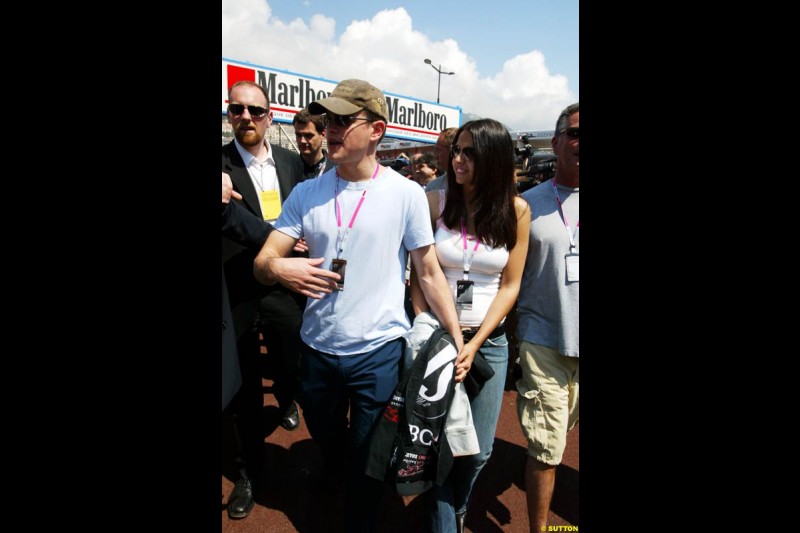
(547, 308)
(437, 184)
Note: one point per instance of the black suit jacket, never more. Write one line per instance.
(237, 259)
(307, 170)
(288, 165)
(245, 228)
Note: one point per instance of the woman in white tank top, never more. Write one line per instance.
(481, 229)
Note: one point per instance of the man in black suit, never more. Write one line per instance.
(264, 175)
(243, 227)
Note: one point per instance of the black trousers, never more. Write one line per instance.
(280, 317)
(246, 409)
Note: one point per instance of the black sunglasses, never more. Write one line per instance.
(255, 111)
(343, 121)
(572, 133)
(468, 151)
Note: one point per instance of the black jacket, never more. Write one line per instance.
(243, 289)
(250, 231)
(409, 444)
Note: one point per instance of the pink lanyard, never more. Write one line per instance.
(570, 234)
(342, 237)
(467, 260)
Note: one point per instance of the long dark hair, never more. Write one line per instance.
(493, 172)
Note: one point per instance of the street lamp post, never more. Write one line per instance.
(439, 70)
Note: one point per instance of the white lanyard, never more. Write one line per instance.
(570, 234)
(468, 259)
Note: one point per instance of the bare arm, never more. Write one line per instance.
(299, 274)
(418, 302)
(436, 291)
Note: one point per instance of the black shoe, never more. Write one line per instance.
(460, 517)
(240, 502)
(291, 419)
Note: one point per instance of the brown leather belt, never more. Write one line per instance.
(468, 333)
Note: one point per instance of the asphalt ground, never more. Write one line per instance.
(295, 500)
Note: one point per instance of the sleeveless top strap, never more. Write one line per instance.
(441, 208)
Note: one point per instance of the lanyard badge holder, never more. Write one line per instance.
(464, 293)
(338, 266)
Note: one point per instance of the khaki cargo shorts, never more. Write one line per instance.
(547, 400)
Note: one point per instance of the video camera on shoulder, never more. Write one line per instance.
(395, 164)
(526, 151)
(538, 168)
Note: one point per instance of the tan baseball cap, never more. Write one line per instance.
(351, 96)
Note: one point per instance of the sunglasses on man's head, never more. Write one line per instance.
(572, 133)
(467, 151)
(343, 121)
(255, 111)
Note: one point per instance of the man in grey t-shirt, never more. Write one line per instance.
(547, 310)
(443, 144)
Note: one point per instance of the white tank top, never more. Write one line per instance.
(487, 265)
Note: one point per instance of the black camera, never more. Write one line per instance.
(538, 169)
(525, 152)
(547, 167)
(395, 164)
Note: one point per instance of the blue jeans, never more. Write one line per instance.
(362, 384)
(454, 494)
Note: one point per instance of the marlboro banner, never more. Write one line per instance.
(409, 118)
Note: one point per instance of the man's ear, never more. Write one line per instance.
(378, 127)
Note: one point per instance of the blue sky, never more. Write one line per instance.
(515, 60)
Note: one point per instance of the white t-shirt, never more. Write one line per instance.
(393, 219)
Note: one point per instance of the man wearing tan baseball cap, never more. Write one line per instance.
(363, 219)
(351, 96)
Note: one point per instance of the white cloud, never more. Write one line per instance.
(386, 51)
